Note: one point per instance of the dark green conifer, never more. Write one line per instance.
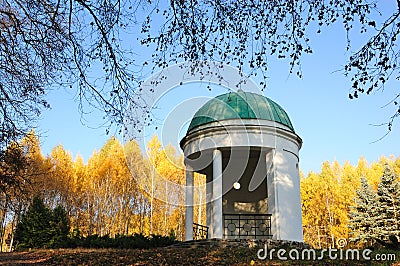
(40, 227)
(362, 222)
(388, 213)
(33, 229)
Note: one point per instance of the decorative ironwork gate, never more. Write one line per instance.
(200, 231)
(247, 226)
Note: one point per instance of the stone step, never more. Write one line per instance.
(198, 243)
(237, 242)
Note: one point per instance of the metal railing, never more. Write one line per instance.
(200, 231)
(247, 226)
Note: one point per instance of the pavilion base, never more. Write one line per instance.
(249, 243)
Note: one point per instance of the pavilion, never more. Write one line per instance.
(246, 146)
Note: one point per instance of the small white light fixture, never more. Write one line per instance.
(236, 185)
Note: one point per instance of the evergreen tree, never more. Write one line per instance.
(59, 227)
(33, 230)
(363, 214)
(388, 213)
(41, 227)
(376, 215)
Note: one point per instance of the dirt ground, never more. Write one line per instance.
(157, 256)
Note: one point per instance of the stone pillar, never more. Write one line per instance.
(209, 206)
(272, 197)
(284, 195)
(287, 196)
(189, 204)
(217, 229)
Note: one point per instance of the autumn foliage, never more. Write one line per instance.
(102, 197)
(330, 196)
(121, 192)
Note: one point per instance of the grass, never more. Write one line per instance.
(163, 256)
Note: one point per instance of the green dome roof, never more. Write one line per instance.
(240, 105)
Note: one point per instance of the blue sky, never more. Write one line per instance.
(331, 125)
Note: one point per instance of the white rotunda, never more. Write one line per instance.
(246, 146)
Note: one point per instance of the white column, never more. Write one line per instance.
(287, 197)
(189, 204)
(284, 195)
(209, 206)
(272, 199)
(217, 229)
